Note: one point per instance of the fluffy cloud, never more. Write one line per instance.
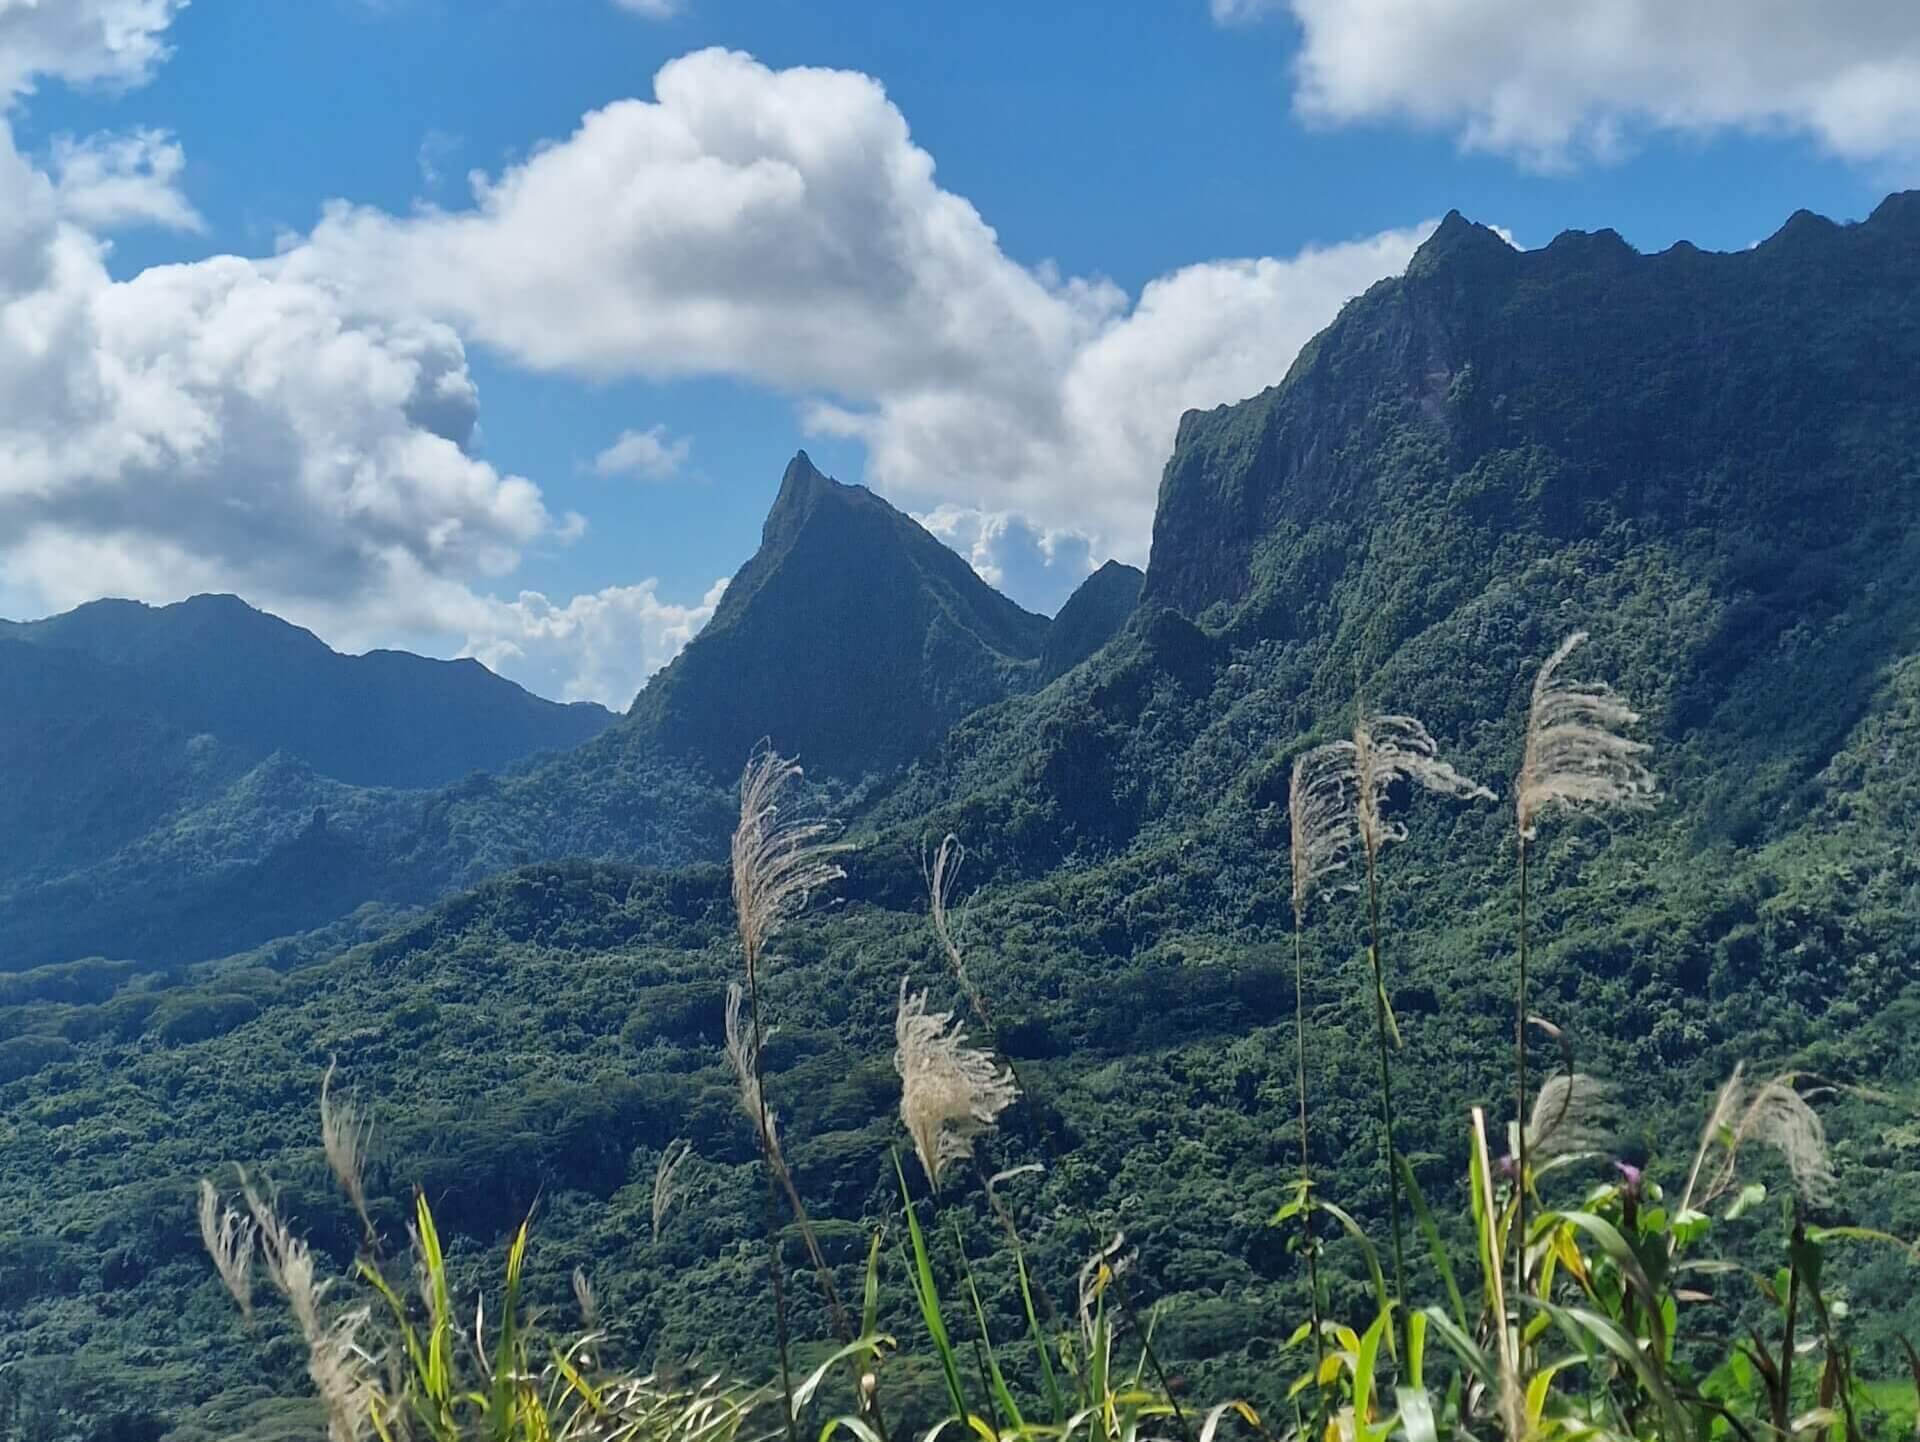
(221, 410)
(1039, 568)
(222, 425)
(1550, 83)
(781, 226)
(107, 181)
(83, 42)
(1202, 336)
(598, 647)
(231, 425)
(650, 454)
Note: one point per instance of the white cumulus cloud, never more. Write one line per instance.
(781, 226)
(1039, 568)
(596, 647)
(83, 42)
(107, 181)
(651, 454)
(228, 425)
(1552, 83)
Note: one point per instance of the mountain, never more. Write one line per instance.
(215, 666)
(1092, 616)
(200, 778)
(852, 639)
(1710, 462)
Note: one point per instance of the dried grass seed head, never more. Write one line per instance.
(1576, 753)
(743, 1051)
(1572, 1112)
(340, 1368)
(345, 1136)
(1323, 819)
(1776, 1115)
(778, 861)
(228, 1238)
(1392, 748)
(949, 1092)
(666, 1181)
(585, 1299)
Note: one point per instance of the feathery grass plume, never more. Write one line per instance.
(942, 873)
(1388, 749)
(1323, 827)
(1574, 755)
(228, 1238)
(1573, 1113)
(1718, 1130)
(583, 1296)
(1323, 819)
(950, 1093)
(777, 863)
(341, 1370)
(344, 1136)
(1775, 1115)
(743, 1055)
(666, 1187)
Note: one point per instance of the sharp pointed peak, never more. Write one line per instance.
(803, 486)
(1457, 238)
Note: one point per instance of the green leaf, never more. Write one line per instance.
(870, 1306)
(1009, 1409)
(1751, 1195)
(1435, 1246)
(1367, 1251)
(1416, 1414)
(1055, 1402)
(929, 1295)
(1585, 1327)
(1462, 1345)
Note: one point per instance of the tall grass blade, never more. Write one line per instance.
(1055, 1402)
(928, 1293)
(1003, 1396)
(1436, 1247)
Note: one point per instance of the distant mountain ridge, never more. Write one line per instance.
(215, 665)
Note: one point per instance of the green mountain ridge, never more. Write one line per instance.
(214, 665)
(1708, 461)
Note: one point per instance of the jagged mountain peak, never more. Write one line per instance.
(1091, 617)
(1482, 350)
(852, 638)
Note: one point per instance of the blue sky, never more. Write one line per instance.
(394, 416)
